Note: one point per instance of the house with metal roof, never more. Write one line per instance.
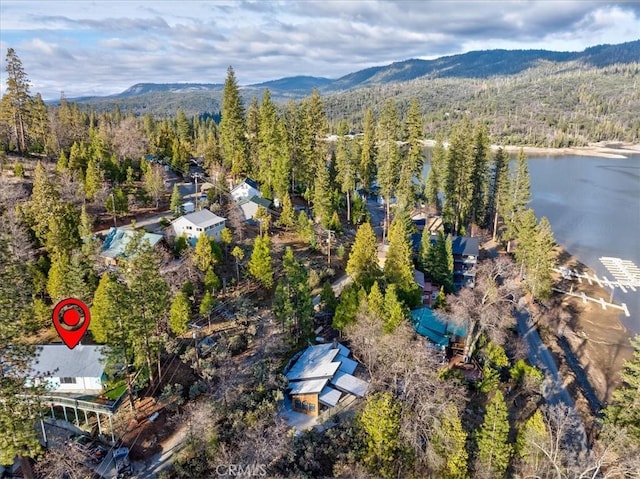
(116, 241)
(245, 190)
(250, 206)
(192, 225)
(436, 329)
(320, 376)
(77, 370)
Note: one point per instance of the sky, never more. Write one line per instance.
(103, 47)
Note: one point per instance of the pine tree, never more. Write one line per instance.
(625, 408)
(19, 404)
(345, 164)
(498, 188)
(395, 311)
(260, 266)
(347, 308)
(398, 266)
(450, 441)
(458, 186)
(436, 176)
(381, 422)
(367, 166)
(531, 435)
(176, 201)
(207, 304)
(203, 256)
(376, 301)
(154, 183)
(16, 100)
(494, 449)
(287, 218)
(479, 175)
(519, 195)
(179, 314)
(93, 179)
(541, 261)
(232, 127)
(253, 136)
(388, 158)
(211, 281)
(106, 308)
(362, 265)
(238, 254)
(322, 205)
(414, 161)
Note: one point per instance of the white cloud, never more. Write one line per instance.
(104, 47)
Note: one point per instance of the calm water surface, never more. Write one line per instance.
(593, 205)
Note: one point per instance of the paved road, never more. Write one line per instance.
(553, 389)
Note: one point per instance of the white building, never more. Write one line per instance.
(193, 224)
(245, 190)
(77, 370)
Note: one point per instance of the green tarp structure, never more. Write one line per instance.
(437, 330)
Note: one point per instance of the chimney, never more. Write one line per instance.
(335, 343)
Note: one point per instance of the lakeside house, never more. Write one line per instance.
(321, 376)
(115, 244)
(79, 370)
(192, 225)
(465, 249)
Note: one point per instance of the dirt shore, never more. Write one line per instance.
(596, 336)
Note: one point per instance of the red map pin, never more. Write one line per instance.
(71, 319)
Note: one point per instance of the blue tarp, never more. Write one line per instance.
(428, 324)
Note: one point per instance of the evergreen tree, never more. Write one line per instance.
(207, 305)
(458, 186)
(439, 262)
(531, 435)
(253, 136)
(367, 166)
(328, 298)
(450, 441)
(154, 183)
(479, 175)
(211, 281)
(395, 311)
(345, 164)
(238, 254)
(519, 195)
(414, 162)
(347, 308)
(376, 301)
(232, 127)
(362, 265)
(398, 266)
(498, 188)
(287, 218)
(260, 266)
(625, 408)
(381, 422)
(93, 179)
(176, 201)
(107, 306)
(388, 157)
(494, 449)
(203, 255)
(42, 206)
(179, 314)
(436, 176)
(148, 299)
(63, 234)
(19, 404)
(293, 304)
(16, 101)
(322, 205)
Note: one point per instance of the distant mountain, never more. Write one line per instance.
(198, 98)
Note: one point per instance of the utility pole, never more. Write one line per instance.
(195, 343)
(113, 204)
(329, 248)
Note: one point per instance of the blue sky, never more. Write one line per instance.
(103, 47)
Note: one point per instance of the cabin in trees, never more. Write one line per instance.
(194, 224)
(465, 256)
(320, 376)
(250, 206)
(245, 190)
(442, 333)
(78, 370)
(429, 290)
(115, 244)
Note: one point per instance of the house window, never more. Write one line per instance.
(67, 380)
(312, 407)
(297, 404)
(189, 227)
(198, 229)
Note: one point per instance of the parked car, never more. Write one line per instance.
(91, 449)
(123, 466)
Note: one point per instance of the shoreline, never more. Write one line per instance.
(602, 149)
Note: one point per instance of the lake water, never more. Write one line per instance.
(593, 205)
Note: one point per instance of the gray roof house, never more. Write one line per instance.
(250, 206)
(77, 370)
(322, 375)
